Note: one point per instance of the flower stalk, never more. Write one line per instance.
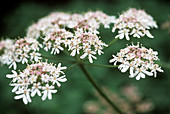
(96, 86)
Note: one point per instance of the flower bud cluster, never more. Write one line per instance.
(23, 50)
(134, 22)
(38, 78)
(139, 60)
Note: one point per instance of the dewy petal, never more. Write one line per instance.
(28, 97)
(138, 76)
(148, 73)
(10, 76)
(131, 70)
(142, 75)
(84, 55)
(113, 29)
(53, 91)
(15, 88)
(73, 53)
(127, 36)
(33, 93)
(44, 95)
(134, 74)
(90, 59)
(149, 34)
(49, 95)
(25, 99)
(58, 84)
(62, 79)
(18, 97)
(155, 73)
(112, 60)
(121, 36)
(124, 69)
(38, 92)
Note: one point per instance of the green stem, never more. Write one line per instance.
(73, 65)
(111, 43)
(97, 65)
(99, 89)
(59, 59)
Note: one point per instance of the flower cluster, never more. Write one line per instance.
(39, 78)
(5, 50)
(59, 20)
(22, 50)
(139, 60)
(134, 22)
(76, 32)
(87, 44)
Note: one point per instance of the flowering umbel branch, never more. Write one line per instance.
(78, 36)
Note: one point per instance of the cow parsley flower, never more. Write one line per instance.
(78, 33)
(140, 61)
(23, 50)
(38, 78)
(134, 23)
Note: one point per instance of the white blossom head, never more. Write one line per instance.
(139, 60)
(40, 78)
(133, 22)
(23, 50)
(60, 20)
(78, 33)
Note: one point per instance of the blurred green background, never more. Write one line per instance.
(77, 90)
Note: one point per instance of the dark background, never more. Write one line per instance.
(17, 15)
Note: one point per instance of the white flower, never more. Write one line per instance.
(140, 73)
(59, 68)
(136, 33)
(123, 33)
(156, 68)
(90, 55)
(56, 49)
(24, 57)
(24, 95)
(124, 66)
(75, 49)
(15, 76)
(56, 79)
(45, 77)
(36, 89)
(48, 90)
(33, 78)
(48, 46)
(13, 63)
(35, 56)
(26, 49)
